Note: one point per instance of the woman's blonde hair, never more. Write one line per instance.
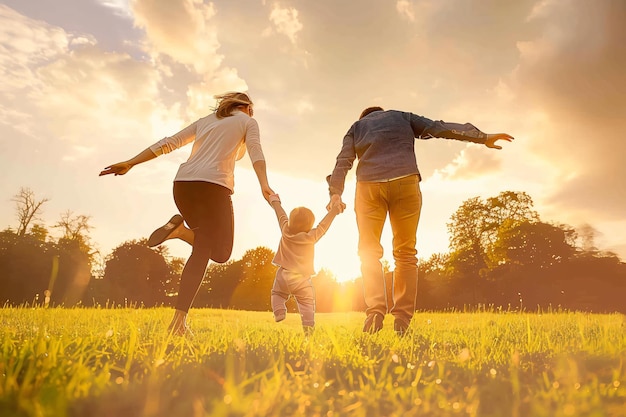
(301, 219)
(228, 102)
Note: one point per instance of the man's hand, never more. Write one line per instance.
(493, 137)
(120, 168)
(335, 202)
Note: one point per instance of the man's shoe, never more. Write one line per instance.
(161, 234)
(373, 323)
(401, 326)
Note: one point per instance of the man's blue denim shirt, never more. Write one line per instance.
(383, 142)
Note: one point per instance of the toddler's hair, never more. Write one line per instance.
(301, 219)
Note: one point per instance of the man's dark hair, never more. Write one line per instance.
(370, 110)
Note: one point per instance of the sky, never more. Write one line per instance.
(87, 83)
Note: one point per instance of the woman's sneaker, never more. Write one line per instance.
(161, 234)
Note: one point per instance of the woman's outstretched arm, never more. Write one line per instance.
(122, 168)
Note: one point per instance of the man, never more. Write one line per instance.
(388, 184)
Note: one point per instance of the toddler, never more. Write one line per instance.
(294, 259)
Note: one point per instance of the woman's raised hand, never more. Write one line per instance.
(120, 168)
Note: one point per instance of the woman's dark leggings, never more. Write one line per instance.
(208, 210)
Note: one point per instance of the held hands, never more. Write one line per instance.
(274, 198)
(493, 137)
(336, 204)
(267, 193)
(120, 168)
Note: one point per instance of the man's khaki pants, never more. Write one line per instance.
(402, 200)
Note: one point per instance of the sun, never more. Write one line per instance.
(346, 267)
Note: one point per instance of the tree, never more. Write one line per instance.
(26, 267)
(507, 206)
(76, 257)
(219, 284)
(467, 244)
(475, 228)
(75, 228)
(326, 289)
(254, 291)
(28, 209)
(39, 232)
(176, 266)
(434, 289)
(532, 244)
(437, 263)
(137, 274)
(474, 232)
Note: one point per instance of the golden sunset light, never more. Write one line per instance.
(340, 208)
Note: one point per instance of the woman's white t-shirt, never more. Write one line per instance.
(218, 143)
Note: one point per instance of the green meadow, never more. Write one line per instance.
(121, 362)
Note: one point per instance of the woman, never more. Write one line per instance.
(202, 189)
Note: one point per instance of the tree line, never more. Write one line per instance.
(501, 255)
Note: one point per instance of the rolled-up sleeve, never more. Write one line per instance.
(345, 159)
(425, 128)
(253, 141)
(180, 139)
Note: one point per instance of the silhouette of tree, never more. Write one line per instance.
(475, 229)
(501, 254)
(219, 284)
(508, 206)
(28, 208)
(434, 288)
(467, 244)
(532, 244)
(26, 267)
(138, 274)
(39, 232)
(76, 256)
(253, 293)
(326, 287)
(75, 228)
(176, 266)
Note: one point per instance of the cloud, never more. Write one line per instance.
(405, 9)
(26, 44)
(105, 94)
(200, 95)
(180, 30)
(286, 22)
(121, 8)
(79, 152)
(540, 9)
(68, 96)
(472, 162)
(304, 106)
(571, 69)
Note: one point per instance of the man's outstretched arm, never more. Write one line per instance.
(425, 128)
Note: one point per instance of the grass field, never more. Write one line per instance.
(120, 362)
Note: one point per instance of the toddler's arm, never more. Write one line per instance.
(325, 223)
(274, 201)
